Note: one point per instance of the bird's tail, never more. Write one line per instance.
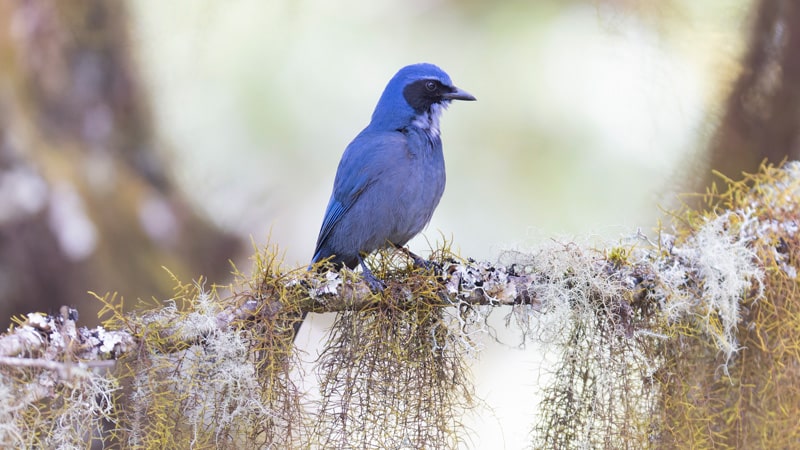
(297, 324)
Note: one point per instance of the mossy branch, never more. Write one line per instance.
(647, 330)
(454, 283)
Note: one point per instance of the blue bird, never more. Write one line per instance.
(391, 176)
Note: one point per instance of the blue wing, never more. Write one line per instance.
(359, 168)
(336, 209)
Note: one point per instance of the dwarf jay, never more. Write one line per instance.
(391, 176)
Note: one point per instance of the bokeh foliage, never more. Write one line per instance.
(87, 200)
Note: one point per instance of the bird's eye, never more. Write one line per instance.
(430, 86)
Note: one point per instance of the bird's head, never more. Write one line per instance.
(416, 95)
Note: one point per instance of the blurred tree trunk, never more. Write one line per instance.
(762, 114)
(86, 201)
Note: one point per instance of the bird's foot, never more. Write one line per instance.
(431, 266)
(421, 262)
(375, 284)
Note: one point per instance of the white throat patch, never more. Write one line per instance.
(429, 121)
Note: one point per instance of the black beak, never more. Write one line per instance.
(458, 94)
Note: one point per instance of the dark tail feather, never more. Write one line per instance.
(336, 265)
(297, 324)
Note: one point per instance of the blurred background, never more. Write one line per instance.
(142, 134)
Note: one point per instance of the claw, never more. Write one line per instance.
(420, 262)
(375, 285)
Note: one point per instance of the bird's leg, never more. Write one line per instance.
(375, 285)
(418, 260)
